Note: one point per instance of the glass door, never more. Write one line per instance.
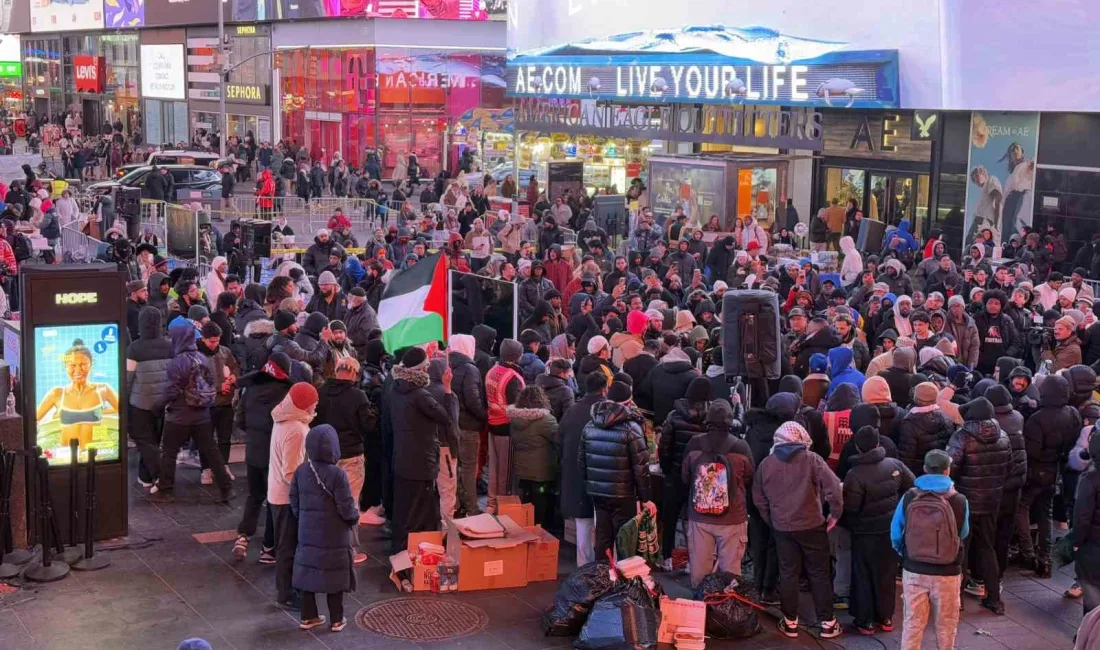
(324, 139)
(878, 198)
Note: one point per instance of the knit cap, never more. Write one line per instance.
(595, 344)
(416, 358)
(511, 350)
(925, 393)
(619, 392)
(866, 439)
(719, 414)
(283, 319)
(304, 396)
(326, 277)
(198, 312)
(956, 300)
(699, 390)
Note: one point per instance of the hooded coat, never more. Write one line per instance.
(147, 360)
(900, 283)
(852, 267)
(791, 486)
(415, 416)
(250, 308)
(967, 339)
(667, 382)
(841, 371)
(923, 429)
(316, 256)
(468, 387)
(1051, 432)
(321, 500)
(536, 445)
(156, 298)
(613, 459)
(808, 416)
(1012, 424)
(872, 488)
(687, 420)
(288, 448)
(344, 406)
(558, 391)
(186, 361)
(761, 424)
(981, 458)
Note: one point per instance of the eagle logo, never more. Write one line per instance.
(925, 126)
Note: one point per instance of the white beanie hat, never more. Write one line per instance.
(596, 343)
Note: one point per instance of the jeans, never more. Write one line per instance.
(354, 468)
(446, 482)
(222, 419)
(980, 555)
(286, 542)
(840, 540)
(611, 514)
(923, 596)
(586, 549)
(257, 494)
(874, 567)
(145, 432)
(469, 443)
(175, 435)
(1044, 498)
(706, 541)
(335, 606)
(804, 550)
(500, 465)
(672, 510)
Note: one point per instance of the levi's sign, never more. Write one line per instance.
(845, 79)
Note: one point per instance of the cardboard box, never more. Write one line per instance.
(521, 513)
(680, 613)
(493, 563)
(542, 556)
(421, 575)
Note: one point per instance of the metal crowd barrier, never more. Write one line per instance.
(77, 247)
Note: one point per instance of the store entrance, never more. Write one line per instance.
(323, 138)
(884, 196)
(92, 111)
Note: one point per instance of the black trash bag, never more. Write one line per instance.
(625, 618)
(575, 599)
(730, 618)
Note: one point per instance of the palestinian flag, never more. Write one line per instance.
(414, 306)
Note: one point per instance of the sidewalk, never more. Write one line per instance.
(157, 593)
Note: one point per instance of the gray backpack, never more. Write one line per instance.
(931, 530)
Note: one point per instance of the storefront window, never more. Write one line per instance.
(42, 72)
(256, 68)
(843, 184)
(165, 123)
(756, 193)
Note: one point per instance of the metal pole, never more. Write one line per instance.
(222, 67)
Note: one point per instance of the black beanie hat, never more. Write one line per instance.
(375, 351)
(699, 390)
(864, 415)
(283, 320)
(414, 357)
(619, 392)
(866, 439)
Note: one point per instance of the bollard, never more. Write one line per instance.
(73, 552)
(47, 570)
(90, 561)
(8, 569)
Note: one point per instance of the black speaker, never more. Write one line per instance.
(751, 335)
(255, 238)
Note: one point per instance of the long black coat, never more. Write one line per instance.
(1050, 432)
(613, 456)
(872, 488)
(575, 503)
(416, 416)
(260, 393)
(666, 383)
(321, 499)
(468, 386)
(687, 420)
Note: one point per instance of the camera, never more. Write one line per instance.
(1042, 337)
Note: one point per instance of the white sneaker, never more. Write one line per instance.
(370, 518)
(207, 477)
(144, 484)
(230, 473)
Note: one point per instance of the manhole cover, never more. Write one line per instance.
(421, 619)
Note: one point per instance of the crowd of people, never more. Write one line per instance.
(933, 421)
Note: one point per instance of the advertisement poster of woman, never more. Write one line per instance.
(1001, 173)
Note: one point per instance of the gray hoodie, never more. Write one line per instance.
(790, 486)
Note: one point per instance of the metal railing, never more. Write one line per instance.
(77, 247)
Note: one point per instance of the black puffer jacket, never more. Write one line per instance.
(761, 424)
(344, 406)
(1051, 432)
(259, 394)
(981, 458)
(687, 420)
(872, 488)
(468, 387)
(558, 392)
(416, 416)
(919, 432)
(613, 456)
(1012, 423)
(666, 383)
(889, 415)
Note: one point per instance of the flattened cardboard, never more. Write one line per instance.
(521, 513)
(680, 613)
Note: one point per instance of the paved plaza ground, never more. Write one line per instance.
(166, 585)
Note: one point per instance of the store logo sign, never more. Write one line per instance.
(76, 298)
(11, 69)
(246, 30)
(246, 93)
(89, 72)
(926, 126)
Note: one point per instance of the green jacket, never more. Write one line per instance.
(535, 444)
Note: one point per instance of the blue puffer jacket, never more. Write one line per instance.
(320, 498)
(186, 360)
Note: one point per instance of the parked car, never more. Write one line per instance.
(189, 177)
(172, 157)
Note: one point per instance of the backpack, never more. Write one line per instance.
(21, 246)
(710, 483)
(931, 530)
(200, 391)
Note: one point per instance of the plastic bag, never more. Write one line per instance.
(575, 599)
(727, 617)
(625, 618)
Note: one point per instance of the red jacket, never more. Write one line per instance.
(7, 258)
(558, 272)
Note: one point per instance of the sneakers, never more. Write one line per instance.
(240, 547)
(267, 556)
(162, 497)
(1074, 591)
(310, 623)
(666, 564)
(787, 628)
(359, 558)
(830, 629)
(866, 629)
(769, 600)
(230, 473)
(207, 477)
(840, 602)
(145, 484)
(997, 608)
(371, 518)
(886, 625)
(975, 588)
(339, 625)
